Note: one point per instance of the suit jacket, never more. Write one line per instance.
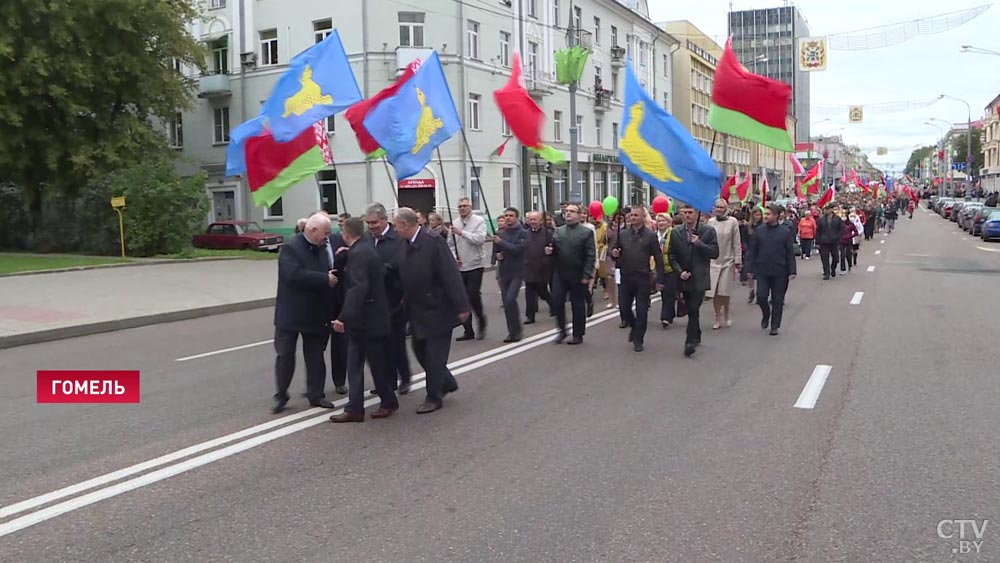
(828, 229)
(366, 309)
(388, 251)
(433, 292)
(513, 241)
(336, 242)
(304, 299)
(695, 258)
(537, 266)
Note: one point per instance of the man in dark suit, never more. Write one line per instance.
(634, 247)
(508, 249)
(537, 266)
(829, 227)
(303, 306)
(772, 262)
(365, 320)
(693, 245)
(336, 251)
(436, 302)
(574, 252)
(387, 244)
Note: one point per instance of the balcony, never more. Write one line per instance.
(214, 86)
(602, 100)
(583, 38)
(617, 57)
(406, 55)
(539, 84)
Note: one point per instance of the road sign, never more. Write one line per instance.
(117, 202)
(969, 159)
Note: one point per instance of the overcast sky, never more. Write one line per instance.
(912, 71)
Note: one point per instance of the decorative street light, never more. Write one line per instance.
(968, 140)
(943, 131)
(978, 50)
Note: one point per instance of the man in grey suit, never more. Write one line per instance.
(693, 245)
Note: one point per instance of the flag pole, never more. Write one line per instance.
(340, 190)
(392, 184)
(475, 172)
(541, 184)
(447, 203)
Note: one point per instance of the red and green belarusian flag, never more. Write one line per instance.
(828, 196)
(356, 114)
(727, 188)
(810, 183)
(499, 150)
(743, 190)
(273, 167)
(524, 116)
(748, 105)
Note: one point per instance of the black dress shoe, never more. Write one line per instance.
(341, 389)
(445, 392)
(348, 417)
(575, 340)
(774, 331)
(322, 403)
(465, 337)
(529, 321)
(278, 405)
(638, 347)
(764, 322)
(427, 407)
(482, 329)
(559, 338)
(689, 349)
(405, 388)
(512, 338)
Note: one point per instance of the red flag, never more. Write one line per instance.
(827, 198)
(743, 190)
(523, 115)
(812, 179)
(797, 167)
(727, 188)
(356, 114)
(763, 192)
(800, 194)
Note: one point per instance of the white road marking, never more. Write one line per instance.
(917, 255)
(881, 241)
(224, 350)
(965, 238)
(988, 249)
(871, 268)
(877, 252)
(419, 382)
(858, 296)
(810, 393)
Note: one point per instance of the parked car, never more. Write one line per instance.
(940, 203)
(237, 235)
(965, 216)
(991, 227)
(956, 208)
(979, 217)
(948, 207)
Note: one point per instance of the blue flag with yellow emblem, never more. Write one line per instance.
(656, 147)
(318, 83)
(412, 123)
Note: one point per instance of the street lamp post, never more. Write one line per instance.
(968, 141)
(978, 50)
(941, 169)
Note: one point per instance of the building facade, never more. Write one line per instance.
(766, 42)
(252, 41)
(990, 173)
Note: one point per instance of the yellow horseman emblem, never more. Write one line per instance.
(428, 124)
(648, 159)
(308, 96)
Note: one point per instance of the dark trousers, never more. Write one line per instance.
(807, 247)
(668, 297)
(373, 349)
(532, 291)
(399, 360)
(577, 293)
(473, 280)
(635, 288)
(829, 255)
(693, 300)
(313, 346)
(338, 358)
(432, 353)
(775, 287)
(510, 288)
(846, 252)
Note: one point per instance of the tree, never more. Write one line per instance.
(83, 83)
(916, 157)
(960, 145)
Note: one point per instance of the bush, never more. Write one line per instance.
(15, 221)
(163, 210)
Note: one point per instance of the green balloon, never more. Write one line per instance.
(610, 205)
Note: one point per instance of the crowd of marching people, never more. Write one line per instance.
(379, 281)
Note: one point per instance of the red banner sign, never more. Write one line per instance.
(88, 386)
(417, 184)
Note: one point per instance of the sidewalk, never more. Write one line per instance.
(52, 306)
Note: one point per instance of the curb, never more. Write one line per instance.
(138, 262)
(134, 322)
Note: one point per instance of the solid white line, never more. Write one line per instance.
(877, 252)
(965, 238)
(12, 526)
(988, 249)
(810, 393)
(223, 351)
(918, 255)
(871, 268)
(858, 295)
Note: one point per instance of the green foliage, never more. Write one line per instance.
(15, 224)
(960, 145)
(916, 157)
(83, 82)
(163, 210)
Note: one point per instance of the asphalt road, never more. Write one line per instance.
(547, 453)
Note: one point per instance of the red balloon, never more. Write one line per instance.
(661, 204)
(596, 210)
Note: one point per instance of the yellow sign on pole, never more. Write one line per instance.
(117, 203)
(856, 114)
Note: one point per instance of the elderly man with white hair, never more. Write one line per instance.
(303, 306)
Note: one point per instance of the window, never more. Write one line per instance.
(666, 102)
(331, 124)
(221, 128)
(597, 30)
(598, 126)
(504, 127)
(508, 175)
(583, 185)
(614, 36)
(642, 53)
(555, 13)
(411, 29)
(557, 126)
(269, 47)
(694, 114)
(216, 4)
(599, 184)
(474, 100)
(694, 79)
(579, 129)
(474, 192)
(616, 186)
(532, 58)
(327, 180)
(666, 65)
(614, 136)
(175, 128)
(322, 29)
(505, 48)
(577, 17)
(275, 211)
(533, 8)
(597, 77)
(472, 39)
(614, 85)
(220, 57)
(559, 184)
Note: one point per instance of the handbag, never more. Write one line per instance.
(682, 309)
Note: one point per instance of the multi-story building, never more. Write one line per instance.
(990, 173)
(766, 42)
(252, 41)
(774, 165)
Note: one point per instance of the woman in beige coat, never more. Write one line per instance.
(724, 268)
